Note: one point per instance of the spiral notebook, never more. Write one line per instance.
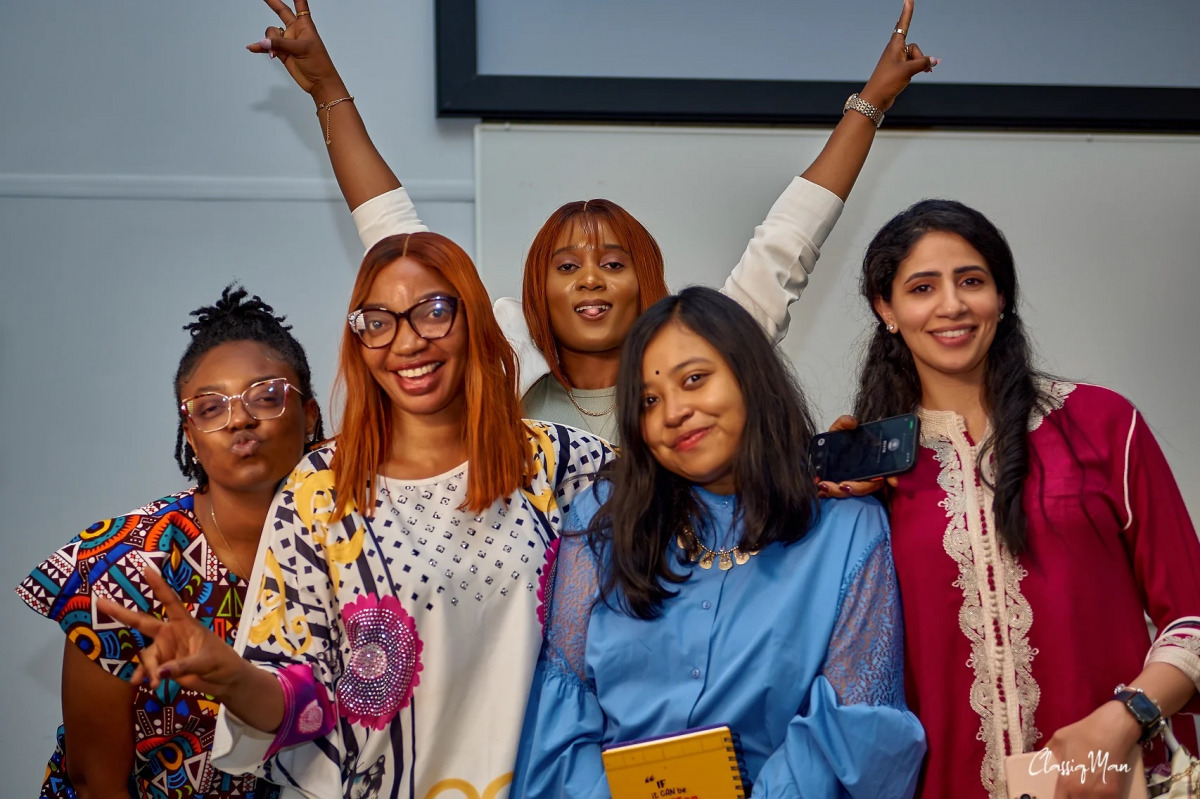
(702, 763)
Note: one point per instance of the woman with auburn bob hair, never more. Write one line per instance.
(392, 641)
(592, 267)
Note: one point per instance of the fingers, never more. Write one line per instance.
(849, 488)
(276, 45)
(173, 607)
(283, 11)
(843, 422)
(302, 8)
(142, 622)
(918, 61)
(905, 18)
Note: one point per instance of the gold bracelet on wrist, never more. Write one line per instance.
(325, 107)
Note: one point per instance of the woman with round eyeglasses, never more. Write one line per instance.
(592, 267)
(390, 642)
(246, 410)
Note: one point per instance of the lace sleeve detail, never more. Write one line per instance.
(865, 662)
(575, 587)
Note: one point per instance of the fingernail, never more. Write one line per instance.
(844, 487)
(823, 486)
(264, 43)
(271, 54)
(164, 673)
(935, 61)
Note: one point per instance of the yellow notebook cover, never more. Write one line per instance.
(693, 764)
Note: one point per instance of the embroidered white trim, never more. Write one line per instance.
(990, 580)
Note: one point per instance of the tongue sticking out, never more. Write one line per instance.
(592, 311)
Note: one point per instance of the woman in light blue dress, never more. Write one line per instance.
(709, 584)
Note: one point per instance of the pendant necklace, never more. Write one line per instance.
(233, 560)
(696, 552)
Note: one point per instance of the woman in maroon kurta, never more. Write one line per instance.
(1039, 524)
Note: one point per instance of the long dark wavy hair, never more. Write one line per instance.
(236, 316)
(888, 382)
(648, 505)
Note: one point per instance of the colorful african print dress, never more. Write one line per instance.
(1003, 650)
(405, 643)
(173, 726)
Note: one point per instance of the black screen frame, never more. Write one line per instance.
(463, 92)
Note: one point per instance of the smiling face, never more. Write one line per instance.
(946, 306)
(693, 411)
(592, 291)
(421, 377)
(248, 455)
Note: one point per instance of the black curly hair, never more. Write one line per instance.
(235, 318)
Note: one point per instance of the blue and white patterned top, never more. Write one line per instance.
(799, 651)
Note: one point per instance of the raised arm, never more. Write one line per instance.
(837, 166)
(360, 170)
(775, 267)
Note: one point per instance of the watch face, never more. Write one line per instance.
(1144, 709)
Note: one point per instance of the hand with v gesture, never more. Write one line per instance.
(186, 651)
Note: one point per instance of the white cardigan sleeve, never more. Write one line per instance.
(386, 215)
(774, 268)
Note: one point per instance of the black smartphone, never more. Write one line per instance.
(874, 449)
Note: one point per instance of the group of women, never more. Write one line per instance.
(449, 599)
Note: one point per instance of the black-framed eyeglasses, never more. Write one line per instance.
(431, 318)
(212, 411)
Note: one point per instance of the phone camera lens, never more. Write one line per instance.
(820, 442)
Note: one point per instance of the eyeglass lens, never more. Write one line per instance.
(430, 319)
(265, 400)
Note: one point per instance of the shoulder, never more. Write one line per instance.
(1083, 407)
(855, 525)
(586, 504)
(562, 451)
(108, 556)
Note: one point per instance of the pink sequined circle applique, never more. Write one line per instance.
(545, 592)
(384, 662)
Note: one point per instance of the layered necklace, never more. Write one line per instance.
(584, 411)
(696, 552)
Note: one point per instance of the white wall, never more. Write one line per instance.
(146, 159)
(1104, 230)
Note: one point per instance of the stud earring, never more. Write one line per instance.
(195, 461)
(891, 328)
(1002, 316)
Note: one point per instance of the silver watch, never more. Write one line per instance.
(856, 103)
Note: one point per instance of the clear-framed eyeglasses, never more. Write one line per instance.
(212, 411)
(431, 319)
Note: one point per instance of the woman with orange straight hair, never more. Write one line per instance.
(592, 267)
(388, 644)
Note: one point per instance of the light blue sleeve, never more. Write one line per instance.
(559, 752)
(854, 735)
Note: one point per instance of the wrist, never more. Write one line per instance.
(1116, 717)
(1140, 710)
(328, 90)
(880, 99)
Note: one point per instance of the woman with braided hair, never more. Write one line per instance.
(247, 408)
